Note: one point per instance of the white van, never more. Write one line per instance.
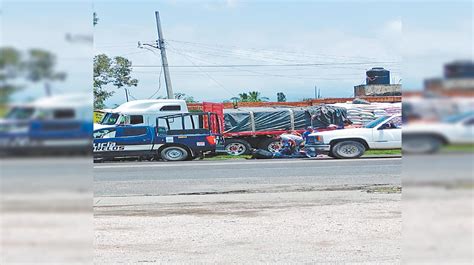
(141, 112)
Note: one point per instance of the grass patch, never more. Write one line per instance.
(384, 152)
(459, 148)
(226, 157)
(3, 111)
(386, 189)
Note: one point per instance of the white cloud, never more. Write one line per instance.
(394, 26)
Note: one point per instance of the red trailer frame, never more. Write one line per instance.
(245, 140)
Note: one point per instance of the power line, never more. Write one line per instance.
(159, 84)
(271, 65)
(208, 75)
(213, 47)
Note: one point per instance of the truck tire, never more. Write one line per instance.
(270, 144)
(174, 153)
(422, 144)
(237, 147)
(348, 149)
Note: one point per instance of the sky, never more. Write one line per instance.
(341, 39)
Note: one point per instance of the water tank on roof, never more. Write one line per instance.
(459, 69)
(377, 76)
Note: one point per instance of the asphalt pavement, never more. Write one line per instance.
(234, 176)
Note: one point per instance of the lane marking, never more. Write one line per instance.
(197, 164)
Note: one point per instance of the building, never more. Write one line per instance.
(377, 84)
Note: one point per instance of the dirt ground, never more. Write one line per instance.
(285, 227)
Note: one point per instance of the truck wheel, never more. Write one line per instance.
(348, 149)
(237, 147)
(421, 144)
(174, 153)
(271, 144)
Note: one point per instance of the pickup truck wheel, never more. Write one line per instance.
(270, 144)
(348, 149)
(174, 153)
(237, 147)
(421, 144)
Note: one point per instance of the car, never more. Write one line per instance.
(384, 132)
(424, 137)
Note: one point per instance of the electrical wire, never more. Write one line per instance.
(208, 75)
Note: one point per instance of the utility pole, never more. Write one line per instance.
(164, 60)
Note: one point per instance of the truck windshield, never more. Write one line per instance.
(376, 122)
(110, 119)
(20, 113)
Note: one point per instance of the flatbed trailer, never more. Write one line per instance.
(242, 142)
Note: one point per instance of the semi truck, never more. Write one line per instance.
(59, 124)
(141, 112)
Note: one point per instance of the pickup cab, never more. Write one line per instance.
(429, 137)
(197, 135)
(382, 133)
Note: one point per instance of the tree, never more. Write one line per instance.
(281, 97)
(40, 68)
(95, 19)
(121, 74)
(11, 67)
(252, 96)
(188, 99)
(102, 76)
(116, 71)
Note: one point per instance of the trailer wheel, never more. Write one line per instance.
(270, 144)
(174, 153)
(237, 147)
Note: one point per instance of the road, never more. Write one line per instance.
(198, 177)
(248, 211)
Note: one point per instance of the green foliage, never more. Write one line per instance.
(281, 97)
(188, 99)
(121, 73)
(102, 73)
(40, 68)
(116, 71)
(11, 66)
(252, 96)
(37, 66)
(95, 19)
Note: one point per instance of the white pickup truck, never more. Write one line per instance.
(425, 137)
(382, 133)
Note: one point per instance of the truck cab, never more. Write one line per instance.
(141, 112)
(382, 133)
(59, 123)
(174, 137)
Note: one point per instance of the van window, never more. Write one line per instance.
(63, 114)
(133, 131)
(136, 119)
(171, 108)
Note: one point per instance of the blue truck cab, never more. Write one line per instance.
(175, 137)
(56, 124)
